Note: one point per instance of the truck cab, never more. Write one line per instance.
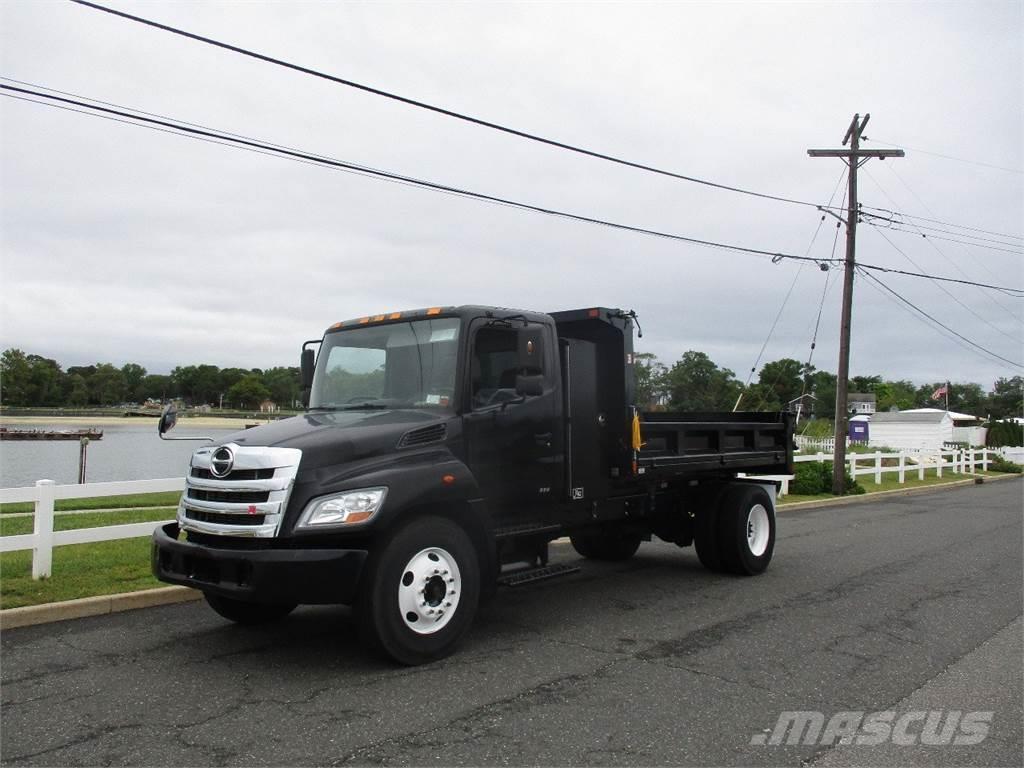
(441, 450)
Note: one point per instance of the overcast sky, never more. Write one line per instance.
(123, 244)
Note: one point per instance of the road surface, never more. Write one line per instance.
(907, 603)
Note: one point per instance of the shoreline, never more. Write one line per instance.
(119, 421)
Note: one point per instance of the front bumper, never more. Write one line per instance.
(261, 575)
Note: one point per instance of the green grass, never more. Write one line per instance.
(890, 482)
(79, 570)
(134, 501)
(12, 526)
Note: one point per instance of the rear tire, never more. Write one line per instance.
(245, 612)
(420, 591)
(612, 547)
(746, 529)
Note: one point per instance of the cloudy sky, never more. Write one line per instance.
(124, 244)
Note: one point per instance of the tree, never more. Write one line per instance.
(15, 377)
(106, 386)
(77, 390)
(695, 383)
(283, 385)
(1006, 400)
(133, 375)
(864, 384)
(895, 394)
(46, 381)
(248, 392)
(649, 375)
(198, 384)
(779, 383)
(823, 387)
(156, 387)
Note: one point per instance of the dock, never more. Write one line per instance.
(6, 433)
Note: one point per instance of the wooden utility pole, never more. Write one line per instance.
(854, 157)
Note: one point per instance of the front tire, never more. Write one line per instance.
(420, 592)
(245, 612)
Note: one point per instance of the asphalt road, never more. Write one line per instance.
(907, 603)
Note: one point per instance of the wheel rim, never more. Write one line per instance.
(758, 530)
(429, 589)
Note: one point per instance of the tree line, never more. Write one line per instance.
(697, 383)
(29, 380)
(692, 383)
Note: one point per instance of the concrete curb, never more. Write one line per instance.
(866, 497)
(148, 598)
(95, 606)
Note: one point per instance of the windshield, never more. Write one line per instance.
(398, 365)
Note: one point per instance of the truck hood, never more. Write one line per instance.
(331, 438)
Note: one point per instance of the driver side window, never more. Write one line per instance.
(495, 356)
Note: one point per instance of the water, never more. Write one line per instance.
(127, 452)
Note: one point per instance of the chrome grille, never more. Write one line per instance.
(249, 501)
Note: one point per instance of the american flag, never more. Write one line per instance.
(943, 390)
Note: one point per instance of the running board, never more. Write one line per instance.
(529, 575)
(526, 529)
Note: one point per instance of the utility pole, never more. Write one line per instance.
(854, 157)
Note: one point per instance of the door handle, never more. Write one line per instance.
(543, 439)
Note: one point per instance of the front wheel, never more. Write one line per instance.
(420, 591)
(245, 612)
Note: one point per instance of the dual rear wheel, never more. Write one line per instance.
(737, 534)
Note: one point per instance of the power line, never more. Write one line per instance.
(945, 290)
(893, 222)
(1015, 251)
(437, 109)
(948, 157)
(278, 150)
(216, 137)
(939, 322)
(931, 242)
(785, 301)
(936, 221)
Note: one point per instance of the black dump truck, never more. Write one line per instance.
(440, 453)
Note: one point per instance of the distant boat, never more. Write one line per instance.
(6, 433)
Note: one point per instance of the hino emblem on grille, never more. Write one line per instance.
(221, 462)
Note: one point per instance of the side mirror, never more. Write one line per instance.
(168, 419)
(530, 386)
(531, 349)
(306, 364)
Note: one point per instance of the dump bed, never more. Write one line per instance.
(684, 443)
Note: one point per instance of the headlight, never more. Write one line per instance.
(342, 508)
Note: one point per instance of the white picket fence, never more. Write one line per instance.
(959, 461)
(43, 538)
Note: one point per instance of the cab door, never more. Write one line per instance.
(514, 441)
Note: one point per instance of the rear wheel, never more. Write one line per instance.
(245, 612)
(746, 529)
(606, 546)
(420, 591)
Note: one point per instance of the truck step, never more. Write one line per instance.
(529, 575)
(526, 529)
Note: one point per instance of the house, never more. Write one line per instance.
(966, 428)
(860, 404)
(911, 431)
